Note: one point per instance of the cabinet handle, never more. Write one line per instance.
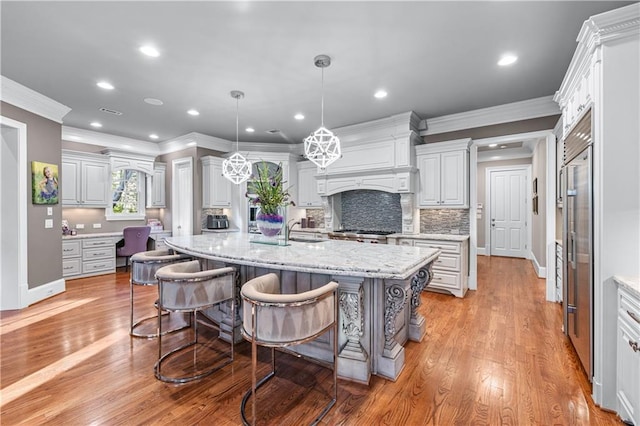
(634, 346)
(634, 316)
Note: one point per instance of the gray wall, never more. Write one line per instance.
(539, 221)
(522, 126)
(482, 193)
(44, 246)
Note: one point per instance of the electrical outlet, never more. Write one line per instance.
(48, 223)
(97, 225)
(79, 225)
(49, 211)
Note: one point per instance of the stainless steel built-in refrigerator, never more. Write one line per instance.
(577, 241)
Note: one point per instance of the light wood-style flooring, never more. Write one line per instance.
(498, 356)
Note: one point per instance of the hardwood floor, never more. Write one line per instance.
(495, 357)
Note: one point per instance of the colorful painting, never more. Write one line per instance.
(44, 183)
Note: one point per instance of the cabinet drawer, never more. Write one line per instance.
(405, 243)
(159, 244)
(447, 261)
(98, 253)
(445, 279)
(97, 242)
(71, 267)
(70, 249)
(629, 310)
(445, 246)
(99, 265)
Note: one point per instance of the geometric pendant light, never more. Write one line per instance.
(322, 147)
(236, 168)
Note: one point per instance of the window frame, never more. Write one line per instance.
(141, 214)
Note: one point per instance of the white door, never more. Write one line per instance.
(13, 215)
(508, 212)
(182, 197)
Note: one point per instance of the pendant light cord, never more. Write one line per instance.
(237, 126)
(322, 101)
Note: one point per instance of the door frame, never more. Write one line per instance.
(550, 231)
(175, 184)
(18, 291)
(529, 217)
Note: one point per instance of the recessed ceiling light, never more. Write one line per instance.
(96, 124)
(249, 130)
(193, 112)
(503, 146)
(380, 94)
(507, 59)
(495, 157)
(153, 136)
(299, 116)
(153, 101)
(105, 85)
(193, 143)
(493, 145)
(150, 51)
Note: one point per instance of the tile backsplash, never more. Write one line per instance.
(203, 216)
(317, 215)
(444, 221)
(371, 210)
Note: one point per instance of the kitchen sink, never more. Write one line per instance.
(305, 240)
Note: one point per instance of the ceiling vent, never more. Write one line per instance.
(273, 131)
(110, 111)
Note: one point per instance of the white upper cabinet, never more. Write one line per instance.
(443, 169)
(85, 180)
(307, 185)
(216, 189)
(156, 197)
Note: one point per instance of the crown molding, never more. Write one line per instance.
(294, 149)
(605, 27)
(29, 100)
(106, 140)
(505, 154)
(516, 111)
(384, 128)
(195, 139)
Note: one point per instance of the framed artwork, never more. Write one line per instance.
(44, 183)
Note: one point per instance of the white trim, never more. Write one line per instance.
(504, 154)
(46, 290)
(29, 100)
(518, 137)
(550, 212)
(194, 139)
(481, 251)
(473, 213)
(174, 199)
(516, 111)
(73, 134)
(529, 219)
(23, 284)
(541, 271)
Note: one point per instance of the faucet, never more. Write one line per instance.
(290, 227)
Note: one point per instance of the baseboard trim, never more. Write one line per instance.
(541, 271)
(45, 291)
(481, 251)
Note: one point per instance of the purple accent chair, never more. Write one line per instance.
(135, 241)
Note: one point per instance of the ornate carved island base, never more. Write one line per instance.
(379, 293)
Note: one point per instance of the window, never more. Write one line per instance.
(127, 195)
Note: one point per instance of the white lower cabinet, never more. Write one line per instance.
(88, 256)
(628, 356)
(451, 268)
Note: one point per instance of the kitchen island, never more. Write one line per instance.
(379, 292)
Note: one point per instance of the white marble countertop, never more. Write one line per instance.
(347, 258)
(309, 230)
(440, 237)
(106, 234)
(630, 283)
(218, 231)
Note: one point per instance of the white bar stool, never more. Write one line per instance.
(143, 273)
(277, 320)
(183, 287)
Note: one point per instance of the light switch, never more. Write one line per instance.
(97, 225)
(49, 211)
(48, 223)
(80, 226)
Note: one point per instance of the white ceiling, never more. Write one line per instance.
(434, 58)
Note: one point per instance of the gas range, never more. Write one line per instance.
(361, 235)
